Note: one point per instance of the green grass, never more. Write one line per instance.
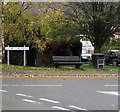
(106, 68)
(26, 67)
(62, 68)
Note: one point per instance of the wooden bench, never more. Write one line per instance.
(67, 60)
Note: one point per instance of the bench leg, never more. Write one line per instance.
(77, 66)
(56, 66)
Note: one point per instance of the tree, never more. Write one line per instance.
(24, 26)
(113, 44)
(95, 20)
(18, 27)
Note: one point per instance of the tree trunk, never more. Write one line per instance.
(97, 49)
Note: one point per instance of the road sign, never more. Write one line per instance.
(16, 48)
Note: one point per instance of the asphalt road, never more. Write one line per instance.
(60, 94)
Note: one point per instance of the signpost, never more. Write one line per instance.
(16, 48)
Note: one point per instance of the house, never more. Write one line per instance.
(117, 35)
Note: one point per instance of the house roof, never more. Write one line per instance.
(116, 33)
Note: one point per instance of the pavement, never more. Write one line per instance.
(57, 73)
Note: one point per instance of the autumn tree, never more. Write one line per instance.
(24, 26)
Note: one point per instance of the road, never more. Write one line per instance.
(60, 94)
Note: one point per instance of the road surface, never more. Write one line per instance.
(60, 94)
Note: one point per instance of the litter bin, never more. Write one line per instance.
(98, 60)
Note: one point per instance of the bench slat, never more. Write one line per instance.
(65, 57)
(69, 60)
(69, 63)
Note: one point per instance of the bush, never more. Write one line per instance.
(64, 48)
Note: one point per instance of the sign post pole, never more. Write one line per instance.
(24, 57)
(8, 56)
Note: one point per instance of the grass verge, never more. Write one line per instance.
(82, 68)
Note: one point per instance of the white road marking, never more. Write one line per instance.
(4, 85)
(44, 85)
(59, 108)
(109, 92)
(36, 85)
(48, 100)
(111, 85)
(15, 85)
(19, 94)
(75, 107)
(30, 101)
(3, 91)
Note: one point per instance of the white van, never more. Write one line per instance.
(87, 50)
